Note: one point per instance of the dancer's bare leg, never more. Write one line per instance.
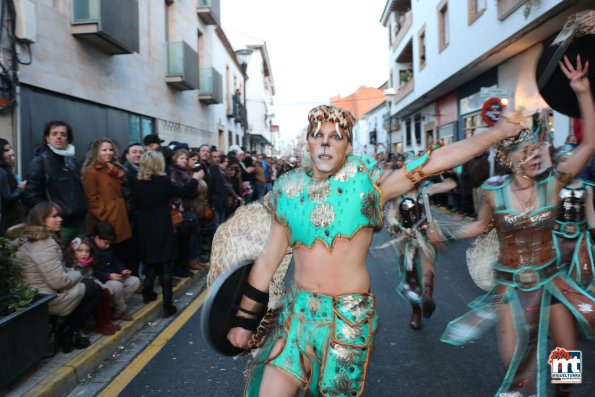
(274, 381)
(506, 336)
(562, 327)
(563, 332)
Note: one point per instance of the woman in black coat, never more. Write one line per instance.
(152, 193)
(11, 191)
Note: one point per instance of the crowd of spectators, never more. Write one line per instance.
(94, 234)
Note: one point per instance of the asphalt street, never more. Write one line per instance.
(404, 363)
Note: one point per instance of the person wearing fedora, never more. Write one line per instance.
(152, 142)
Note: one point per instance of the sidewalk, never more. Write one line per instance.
(58, 375)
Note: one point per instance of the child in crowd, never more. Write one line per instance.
(110, 272)
(81, 259)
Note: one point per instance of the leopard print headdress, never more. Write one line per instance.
(342, 118)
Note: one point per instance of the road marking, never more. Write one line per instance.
(134, 368)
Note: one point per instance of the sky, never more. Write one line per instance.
(317, 49)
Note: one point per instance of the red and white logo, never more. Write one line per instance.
(566, 365)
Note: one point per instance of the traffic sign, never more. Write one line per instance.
(491, 111)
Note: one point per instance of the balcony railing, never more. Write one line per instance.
(111, 25)
(403, 25)
(404, 90)
(393, 124)
(182, 66)
(209, 11)
(211, 86)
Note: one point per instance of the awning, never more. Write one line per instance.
(259, 139)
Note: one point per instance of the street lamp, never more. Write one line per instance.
(389, 93)
(243, 55)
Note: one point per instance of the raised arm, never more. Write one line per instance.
(579, 81)
(448, 157)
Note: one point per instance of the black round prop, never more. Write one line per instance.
(221, 305)
(556, 90)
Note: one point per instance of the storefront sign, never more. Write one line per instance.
(491, 92)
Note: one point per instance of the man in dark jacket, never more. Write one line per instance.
(217, 190)
(131, 159)
(128, 252)
(54, 176)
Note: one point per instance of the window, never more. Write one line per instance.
(408, 133)
(475, 9)
(373, 137)
(417, 130)
(443, 26)
(507, 7)
(446, 133)
(390, 34)
(138, 128)
(200, 45)
(422, 47)
(473, 124)
(229, 138)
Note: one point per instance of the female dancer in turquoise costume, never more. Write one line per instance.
(407, 219)
(576, 219)
(532, 294)
(327, 214)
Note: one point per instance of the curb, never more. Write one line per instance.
(64, 379)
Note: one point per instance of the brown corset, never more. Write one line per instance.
(526, 239)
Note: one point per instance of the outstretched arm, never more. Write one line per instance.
(445, 186)
(451, 156)
(579, 81)
(464, 231)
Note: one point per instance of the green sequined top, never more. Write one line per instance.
(336, 206)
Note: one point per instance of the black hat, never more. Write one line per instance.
(175, 145)
(152, 138)
(552, 82)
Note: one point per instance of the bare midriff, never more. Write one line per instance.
(341, 270)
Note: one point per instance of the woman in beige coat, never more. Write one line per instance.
(40, 257)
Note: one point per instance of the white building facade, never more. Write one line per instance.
(260, 90)
(448, 57)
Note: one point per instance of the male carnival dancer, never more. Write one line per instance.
(327, 214)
